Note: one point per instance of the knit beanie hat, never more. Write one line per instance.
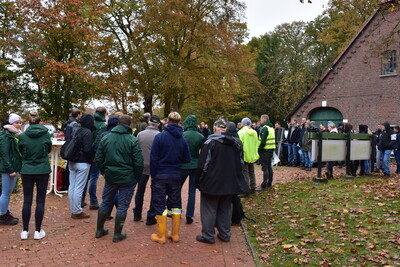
(13, 118)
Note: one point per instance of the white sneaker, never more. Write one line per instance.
(39, 235)
(24, 235)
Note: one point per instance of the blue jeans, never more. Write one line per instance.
(379, 158)
(7, 186)
(300, 155)
(367, 165)
(192, 189)
(141, 188)
(293, 157)
(163, 186)
(78, 173)
(386, 161)
(92, 182)
(307, 159)
(125, 194)
(397, 157)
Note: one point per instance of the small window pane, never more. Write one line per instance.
(389, 62)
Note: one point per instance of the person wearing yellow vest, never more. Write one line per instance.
(266, 150)
(249, 138)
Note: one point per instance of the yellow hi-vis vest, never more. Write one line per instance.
(270, 142)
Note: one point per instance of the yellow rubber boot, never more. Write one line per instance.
(176, 225)
(161, 228)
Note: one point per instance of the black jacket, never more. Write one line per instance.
(220, 166)
(293, 135)
(386, 142)
(85, 136)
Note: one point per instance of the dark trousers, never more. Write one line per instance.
(141, 188)
(249, 175)
(216, 211)
(28, 182)
(397, 157)
(192, 189)
(125, 193)
(166, 186)
(265, 160)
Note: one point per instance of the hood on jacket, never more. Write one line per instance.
(230, 129)
(249, 130)
(112, 122)
(174, 129)
(87, 121)
(387, 126)
(99, 117)
(190, 123)
(122, 129)
(36, 130)
(362, 128)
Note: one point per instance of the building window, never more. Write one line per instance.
(389, 62)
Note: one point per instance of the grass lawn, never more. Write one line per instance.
(345, 223)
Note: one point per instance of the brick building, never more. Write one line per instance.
(362, 86)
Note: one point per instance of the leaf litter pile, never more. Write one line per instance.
(346, 223)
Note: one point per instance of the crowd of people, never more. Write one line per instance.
(219, 163)
(299, 146)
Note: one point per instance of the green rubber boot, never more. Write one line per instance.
(119, 224)
(101, 219)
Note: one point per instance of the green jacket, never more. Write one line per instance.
(35, 146)
(307, 142)
(119, 156)
(10, 158)
(194, 139)
(250, 143)
(100, 124)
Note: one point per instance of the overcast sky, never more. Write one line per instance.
(264, 15)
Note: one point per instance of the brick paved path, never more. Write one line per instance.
(72, 243)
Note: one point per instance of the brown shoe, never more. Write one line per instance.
(81, 215)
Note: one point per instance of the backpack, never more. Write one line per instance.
(72, 147)
(237, 211)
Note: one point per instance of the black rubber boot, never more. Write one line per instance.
(101, 219)
(119, 224)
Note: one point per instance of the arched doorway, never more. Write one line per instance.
(323, 115)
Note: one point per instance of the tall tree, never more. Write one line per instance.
(345, 17)
(10, 86)
(58, 42)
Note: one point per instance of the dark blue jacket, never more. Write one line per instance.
(168, 152)
(397, 146)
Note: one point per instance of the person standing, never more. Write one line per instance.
(293, 137)
(35, 145)
(100, 127)
(71, 122)
(168, 152)
(306, 147)
(146, 138)
(397, 148)
(10, 165)
(195, 140)
(79, 169)
(386, 143)
(220, 164)
(266, 150)
(120, 161)
(249, 139)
